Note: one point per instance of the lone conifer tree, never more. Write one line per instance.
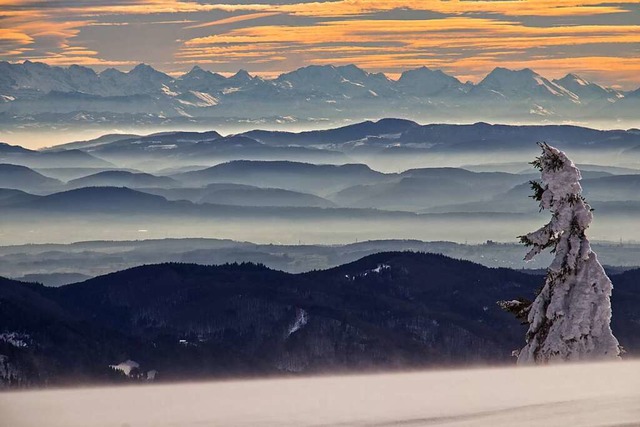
(571, 315)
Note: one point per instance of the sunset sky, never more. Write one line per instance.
(596, 39)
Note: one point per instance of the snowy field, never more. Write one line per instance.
(570, 395)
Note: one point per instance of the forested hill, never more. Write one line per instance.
(186, 321)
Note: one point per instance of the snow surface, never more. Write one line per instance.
(379, 269)
(586, 395)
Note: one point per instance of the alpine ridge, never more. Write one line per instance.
(82, 96)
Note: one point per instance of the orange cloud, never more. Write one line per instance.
(13, 35)
(452, 43)
(469, 38)
(418, 32)
(234, 19)
(20, 34)
(510, 8)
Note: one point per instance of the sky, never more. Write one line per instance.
(598, 40)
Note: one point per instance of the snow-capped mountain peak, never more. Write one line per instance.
(198, 79)
(522, 84)
(242, 76)
(144, 71)
(577, 79)
(427, 82)
(587, 90)
(327, 91)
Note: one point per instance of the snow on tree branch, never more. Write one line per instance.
(571, 315)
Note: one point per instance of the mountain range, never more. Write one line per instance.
(393, 310)
(17, 155)
(36, 92)
(281, 183)
(386, 145)
(394, 177)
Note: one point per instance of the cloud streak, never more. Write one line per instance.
(466, 38)
(234, 19)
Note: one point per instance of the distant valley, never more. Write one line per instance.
(378, 245)
(395, 178)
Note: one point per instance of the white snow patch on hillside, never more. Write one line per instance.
(165, 89)
(126, 367)
(161, 147)
(15, 339)
(82, 117)
(540, 111)
(207, 99)
(286, 119)
(302, 318)
(541, 82)
(379, 269)
(182, 112)
(574, 98)
(580, 81)
(555, 89)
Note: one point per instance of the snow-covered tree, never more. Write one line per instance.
(570, 318)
